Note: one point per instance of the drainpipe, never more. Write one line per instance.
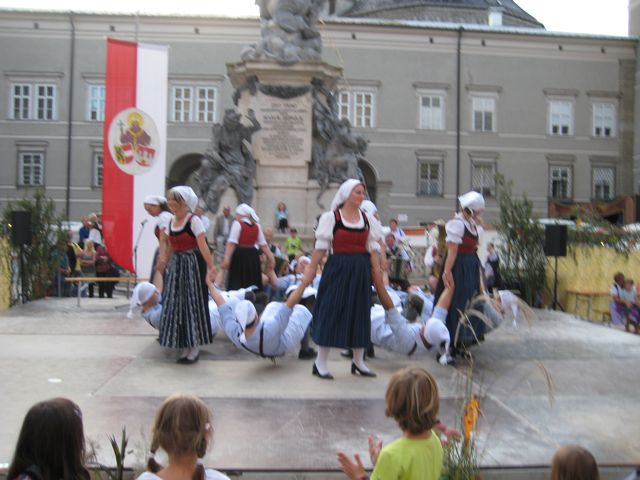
(458, 107)
(70, 121)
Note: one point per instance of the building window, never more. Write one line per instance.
(182, 101)
(97, 168)
(560, 117)
(483, 114)
(603, 183)
(432, 111)
(96, 102)
(483, 178)
(194, 104)
(31, 168)
(33, 101)
(604, 119)
(21, 101)
(344, 104)
(560, 182)
(429, 177)
(358, 107)
(206, 104)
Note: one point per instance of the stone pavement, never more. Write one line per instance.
(279, 417)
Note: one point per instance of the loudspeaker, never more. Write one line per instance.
(20, 228)
(555, 240)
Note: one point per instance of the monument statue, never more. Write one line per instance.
(289, 31)
(336, 151)
(228, 161)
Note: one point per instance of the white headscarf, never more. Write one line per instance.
(188, 195)
(369, 208)
(155, 200)
(246, 211)
(343, 192)
(472, 200)
(245, 313)
(141, 293)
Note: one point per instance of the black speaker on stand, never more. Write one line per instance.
(20, 236)
(555, 245)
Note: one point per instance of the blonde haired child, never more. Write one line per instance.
(183, 429)
(413, 401)
(572, 462)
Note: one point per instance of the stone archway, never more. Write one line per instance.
(182, 171)
(370, 179)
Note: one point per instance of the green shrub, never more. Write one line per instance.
(41, 259)
(522, 257)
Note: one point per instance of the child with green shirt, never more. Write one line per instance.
(293, 244)
(412, 400)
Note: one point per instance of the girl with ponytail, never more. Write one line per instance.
(182, 428)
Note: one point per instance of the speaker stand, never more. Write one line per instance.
(23, 297)
(556, 303)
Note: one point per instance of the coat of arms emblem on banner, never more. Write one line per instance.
(133, 141)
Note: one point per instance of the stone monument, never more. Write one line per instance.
(287, 136)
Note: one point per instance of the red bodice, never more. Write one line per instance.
(248, 234)
(349, 240)
(183, 240)
(469, 242)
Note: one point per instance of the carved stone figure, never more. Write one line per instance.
(228, 162)
(289, 32)
(336, 151)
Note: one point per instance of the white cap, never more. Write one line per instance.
(141, 294)
(246, 211)
(472, 200)
(436, 332)
(245, 313)
(308, 292)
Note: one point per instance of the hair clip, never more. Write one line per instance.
(207, 427)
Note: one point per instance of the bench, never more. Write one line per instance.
(605, 315)
(87, 280)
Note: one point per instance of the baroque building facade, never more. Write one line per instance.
(445, 106)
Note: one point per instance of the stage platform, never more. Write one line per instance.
(279, 418)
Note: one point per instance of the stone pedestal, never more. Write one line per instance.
(282, 99)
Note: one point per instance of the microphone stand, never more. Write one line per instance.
(135, 252)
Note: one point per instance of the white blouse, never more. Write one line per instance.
(455, 228)
(324, 231)
(234, 233)
(196, 225)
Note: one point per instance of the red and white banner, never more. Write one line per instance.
(135, 139)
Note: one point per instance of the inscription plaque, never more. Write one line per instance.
(285, 138)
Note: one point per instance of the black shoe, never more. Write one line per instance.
(371, 353)
(363, 373)
(348, 353)
(307, 353)
(326, 376)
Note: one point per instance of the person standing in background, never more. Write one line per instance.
(221, 233)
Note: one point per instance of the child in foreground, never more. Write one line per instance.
(183, 429)
(412, 400)
(51, 443)
(572, 462)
